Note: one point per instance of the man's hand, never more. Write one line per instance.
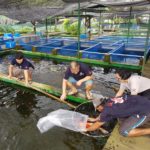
(63, 97)
(79, 83)
(95, 126)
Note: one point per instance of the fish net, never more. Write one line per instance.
(89, 109)
(63, 118)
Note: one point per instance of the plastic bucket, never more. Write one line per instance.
(10, 44)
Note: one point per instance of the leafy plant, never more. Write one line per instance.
(66, 25)
(26, 30)
(71, 28)
(6, 29)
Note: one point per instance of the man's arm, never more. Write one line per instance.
(120, 93)
(84, 79)
(31, 65)
(64, 87)
(95, 126)
(10, 69)
(26, 75)
(88, 73)
(134, 86)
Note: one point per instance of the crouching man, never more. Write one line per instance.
(131, 111)
(75, 76)
(21, 68)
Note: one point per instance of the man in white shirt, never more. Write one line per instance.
(136, 84)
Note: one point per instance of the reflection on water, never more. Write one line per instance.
(19, 114)
(25, 106)
(20, 111)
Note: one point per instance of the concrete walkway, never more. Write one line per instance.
(118, 142)
(146, 71)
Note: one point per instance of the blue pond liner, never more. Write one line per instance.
(74, 46)
(138, 53)
(67, 52)
(27, 47)
(126, 59)
(95, 48)
(44, 49)
(93, 55)
(41, 42)
(121, 55)
(120, 51)
(55, 44)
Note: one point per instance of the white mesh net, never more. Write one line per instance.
(63, 118)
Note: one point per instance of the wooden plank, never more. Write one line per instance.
(118, 142)
(49, 89)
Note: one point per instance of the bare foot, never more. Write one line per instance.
(30, 81)
(73, 92)
(89, 95)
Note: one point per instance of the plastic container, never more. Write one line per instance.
(83, 36)
(8, 36)
(10, 44)
(17, 35)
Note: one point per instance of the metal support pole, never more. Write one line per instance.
(129, 24)
(50, 24)
(46, 27)
(55, 23)
(34, 26)
(146, 43)
(99, 31)
(85, 23)
(79, 25)
(89, 27)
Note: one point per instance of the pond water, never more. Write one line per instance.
(20, 111)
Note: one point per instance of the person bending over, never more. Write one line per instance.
(21, 68)
(131, 111)
(75, 76)
(137, 85)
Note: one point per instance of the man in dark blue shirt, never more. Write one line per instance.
(21, 66)
(132, 112)
(76, 75)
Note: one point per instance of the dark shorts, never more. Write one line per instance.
(145, 94)
(132, 122)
